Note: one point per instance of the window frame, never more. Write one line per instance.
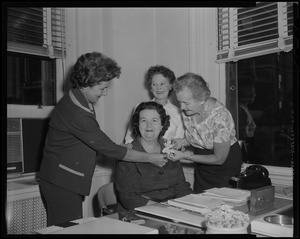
(56, 53)
(227, 35)
(281, 175)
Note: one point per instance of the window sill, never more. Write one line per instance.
(28, 111)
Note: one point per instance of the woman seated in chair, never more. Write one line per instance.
(139, 184)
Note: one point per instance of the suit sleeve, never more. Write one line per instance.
(87, 129)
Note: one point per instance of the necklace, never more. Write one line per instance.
(90, 105)
(203, 114)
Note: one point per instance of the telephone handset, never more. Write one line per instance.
(255, 169)
(254, 176)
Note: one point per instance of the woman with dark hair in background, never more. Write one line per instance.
(139, 184)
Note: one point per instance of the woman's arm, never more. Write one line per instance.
(221, 151)
(180, 143)
(136, 156)
(87, 130)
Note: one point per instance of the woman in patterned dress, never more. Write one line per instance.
(210, 130)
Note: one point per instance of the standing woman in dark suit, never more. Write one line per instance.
(75, 140)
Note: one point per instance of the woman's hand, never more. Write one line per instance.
(176, 155)
(157, 159)
(129, 145)
(178, 143)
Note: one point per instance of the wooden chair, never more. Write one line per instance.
(107, 199)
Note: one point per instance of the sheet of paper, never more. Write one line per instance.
(176, 214)
(229, 193)
(202, 210)
(106, 225)
(199, 200)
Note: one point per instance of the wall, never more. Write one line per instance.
(143, 38)
(182, 39)
(138, 38)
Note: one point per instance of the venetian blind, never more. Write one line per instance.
(254, 31)
(37, 31)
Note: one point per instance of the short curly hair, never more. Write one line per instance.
(195, 83)
(150, 105)
(159, 69)
(93, 68)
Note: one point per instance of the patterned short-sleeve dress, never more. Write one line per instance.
(217, 127)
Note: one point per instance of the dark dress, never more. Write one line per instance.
(136, 183)
(209, 176)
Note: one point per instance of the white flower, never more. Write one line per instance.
(168, 145)
(226, 217)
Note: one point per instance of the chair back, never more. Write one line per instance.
(106, 197)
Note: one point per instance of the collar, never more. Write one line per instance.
(168, 102)
(76, 102)
(136, 143)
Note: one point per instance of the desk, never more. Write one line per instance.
(163, 225)
(153, 225)
(279, 204)
(168, 226)
(101, 225)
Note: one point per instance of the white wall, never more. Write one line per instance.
(143, 38)
(139, 38)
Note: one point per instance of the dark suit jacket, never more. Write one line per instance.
(73, 142)
(136, 183)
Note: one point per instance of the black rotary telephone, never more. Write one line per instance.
(254, 176)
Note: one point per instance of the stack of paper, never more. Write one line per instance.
(228, 194)
(174, 213)
(196, 202)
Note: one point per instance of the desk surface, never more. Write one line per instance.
(168, 226)
(163, 225)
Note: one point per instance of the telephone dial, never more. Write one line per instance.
(254, 176)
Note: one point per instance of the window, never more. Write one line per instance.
(35, 41)
(30, 80)
(264, 94)
(256, 45)
(253, 31)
